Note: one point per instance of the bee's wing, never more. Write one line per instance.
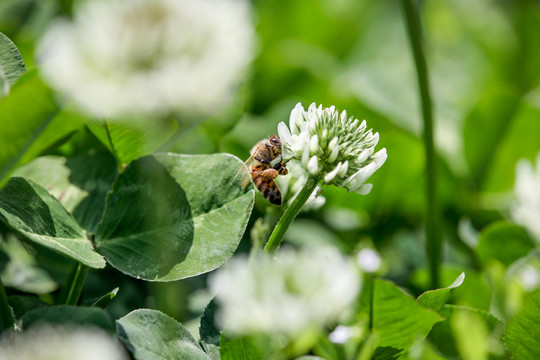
(246, 176)
(245, 173)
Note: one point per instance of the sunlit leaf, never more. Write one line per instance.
(166, 216)
(435, 299)
(398, 318)
(35, 214)
(522, 335)
(152, 335)
(444, 336)
(505, 242)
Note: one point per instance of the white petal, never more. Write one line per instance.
(364, 189)
(296, 118)
(333, 143)
(284, 133)
(375, 139)
(313, 165)
(312, 108)
(334, 154)
(343, 116)
(343, 169)
(314, 144)
(324, 135)
(359, 178)
(380, 157)
(363, 156)
(332, 174)
(305, 155)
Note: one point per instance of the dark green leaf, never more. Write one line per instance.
(522, 335)
(65, 314)
(208, 331)
(80, 183)
(435, 299)
(386, 353)
(398, 318)
(239, 349)
(22, 304)
(104, 300)
(29, 128)
(152, 335)
(505, 242)
(11, 64)
(171, 216)
(35, 214)
(134, 139)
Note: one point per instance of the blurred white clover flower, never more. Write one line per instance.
(369, 260)
(526, 208)
(291, 185)
(127, 57)
(295, 293)
(341, 334)
(61, 343)
(332, 145)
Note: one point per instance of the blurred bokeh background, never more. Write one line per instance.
(484, 64)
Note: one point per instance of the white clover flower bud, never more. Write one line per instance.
(151, 57)
(293, 294)
(340, 149)
(314, 144)
(313, 165)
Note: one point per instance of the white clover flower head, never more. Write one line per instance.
(369, 260)
(526, 208)
(61, 343)
(339, 148)
(296, 292)
(122, 58)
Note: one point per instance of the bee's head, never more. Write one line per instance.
(275, 142)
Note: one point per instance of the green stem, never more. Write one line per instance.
(74, 284)
(290, 214)
(6, 316)
(433, 236)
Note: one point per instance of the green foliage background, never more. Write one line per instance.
(483, 58)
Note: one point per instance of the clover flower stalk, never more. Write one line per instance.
(333, 148)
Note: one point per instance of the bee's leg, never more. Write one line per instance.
(269, 174)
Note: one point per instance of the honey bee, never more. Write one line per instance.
(263, 166)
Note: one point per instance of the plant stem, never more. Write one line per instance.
(433, 236)
(74, 284)
(290, 214)
(6, 316)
